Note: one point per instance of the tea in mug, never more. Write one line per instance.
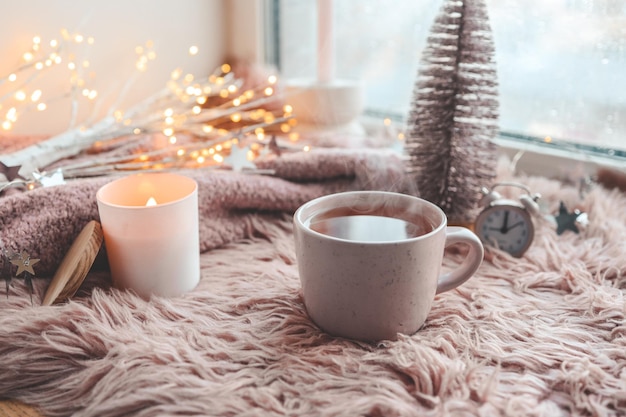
(372, 226)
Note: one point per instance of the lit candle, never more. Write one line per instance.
(151, 235)
(325, 41)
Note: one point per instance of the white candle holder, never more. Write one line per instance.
(152, 249)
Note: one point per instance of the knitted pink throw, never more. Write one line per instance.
(46, 220)
(543, 335)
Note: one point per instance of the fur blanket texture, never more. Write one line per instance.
(543, 335)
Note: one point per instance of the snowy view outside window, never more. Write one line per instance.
(561, 63)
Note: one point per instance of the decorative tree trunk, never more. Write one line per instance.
(454, 113)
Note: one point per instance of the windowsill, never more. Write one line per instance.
(531, 157)
(551, 161)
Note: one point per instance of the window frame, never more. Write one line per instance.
(258, 43)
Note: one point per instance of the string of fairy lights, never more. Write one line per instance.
(207, 122)
(39, 58)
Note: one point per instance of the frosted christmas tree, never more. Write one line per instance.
(454, 114)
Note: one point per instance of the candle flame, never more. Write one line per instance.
(151, 202)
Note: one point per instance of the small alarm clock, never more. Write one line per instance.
(507, 224)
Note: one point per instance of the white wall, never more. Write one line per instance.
(117, 26)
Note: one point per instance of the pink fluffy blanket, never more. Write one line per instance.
(541, 335)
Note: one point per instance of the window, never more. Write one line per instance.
(561, 63)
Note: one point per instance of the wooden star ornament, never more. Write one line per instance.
(24, 265)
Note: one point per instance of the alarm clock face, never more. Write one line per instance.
(506, 227)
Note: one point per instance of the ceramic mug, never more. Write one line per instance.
(370, 261)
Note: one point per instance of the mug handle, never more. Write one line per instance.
(472, 261)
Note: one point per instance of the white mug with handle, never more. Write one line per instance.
(370, 261)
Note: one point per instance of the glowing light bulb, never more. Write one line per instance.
(176, 74)
(12, 114)
(151, 202)
(36, 95)
(193, 50)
